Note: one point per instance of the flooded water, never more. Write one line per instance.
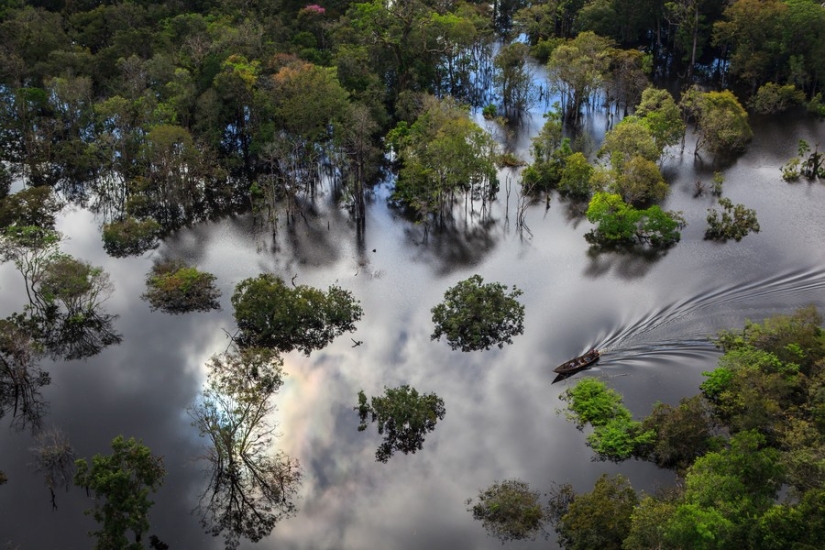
(653, 315)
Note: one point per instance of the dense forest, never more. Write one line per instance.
(159, 115)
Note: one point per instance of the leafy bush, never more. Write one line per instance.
(475, 316)
(404, 417)
(733, 222)
(772, 98)
(618, 223)
(130, 237)
(510, 510)
(174, 287)
(616, 436)
(270, 314)
(490, 111)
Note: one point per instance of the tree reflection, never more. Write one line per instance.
(65, 294)
(54, 458)
(249, 489)
(20, 377)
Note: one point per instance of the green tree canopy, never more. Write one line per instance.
(120, 484)
(510, 510)
(476, 316)
(734, 221)
(403, 416)
(599, 519)
(174, 287)
(270, 314)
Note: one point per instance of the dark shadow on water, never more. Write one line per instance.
(626, 262)
(454, 244)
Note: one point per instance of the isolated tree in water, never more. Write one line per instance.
(510, 510)
(120, 484)
(272, 315)
(403, 416)
(475, 316)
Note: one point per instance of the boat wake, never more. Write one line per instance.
(755, 299)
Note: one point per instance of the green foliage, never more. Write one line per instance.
(648, 522)
(680, 434)
(733, 222)
(403, 416)
(130, 236)
(443, 154)
(772, 98)
(476, 316)
(577, 69)
(575, 176)
(490, 111)
(35, 207)
(599, 519)
(592, 402)
(174, 287)
(816, 106)
(797, 338)
(250, 488)
(121, 483)
(616, 436)
(270, 314)
(512, 78)
(660, 228)
(808, 165)
(618, 223)
(615, 220)
(660, 113)
(722, 122)
(550, 152)
(718, 481)
(510, 510)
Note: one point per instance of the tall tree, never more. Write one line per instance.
(270, 314)
(250, 489)
(120, 484)
(403, 416)
(577, 69)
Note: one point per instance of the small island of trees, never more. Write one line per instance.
(477, 316)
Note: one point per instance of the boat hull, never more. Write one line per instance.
(579, 363)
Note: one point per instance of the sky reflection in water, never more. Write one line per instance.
(652, 315)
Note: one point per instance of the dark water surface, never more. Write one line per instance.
(653, 315)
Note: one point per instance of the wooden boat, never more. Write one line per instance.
(578, 363)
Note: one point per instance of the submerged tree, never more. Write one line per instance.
(54, 457)
(249, 489)
(510, 510)
(577, 69)
(174, 287)
(20, 376)
(513, 79)
(721, 121)
(475, 316)
(270, 314)
(65, 294)
(130, 236)
(121, 483)
(616, 436)
(444, 156)
(734, 222)
(403, 416)
(620, 224)
(599, 519)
